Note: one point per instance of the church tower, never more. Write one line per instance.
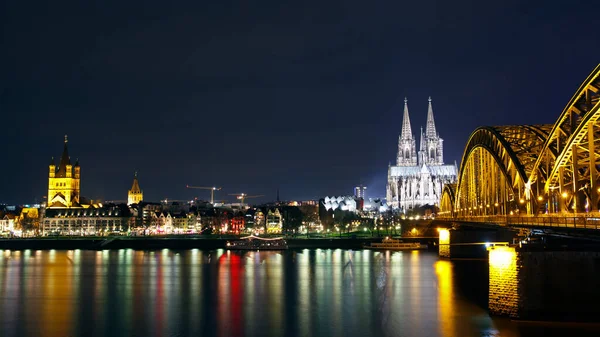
(434, 145)
(407, 154)
(135, 195)
(63, 182)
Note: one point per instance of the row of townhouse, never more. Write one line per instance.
(8, 223)
(21, 221)
(125, 219)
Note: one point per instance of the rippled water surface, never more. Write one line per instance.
(223, 293)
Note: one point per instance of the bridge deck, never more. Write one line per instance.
(575, 221)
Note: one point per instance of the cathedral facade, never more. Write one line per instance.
(418, 177)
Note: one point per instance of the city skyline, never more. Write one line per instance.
(254, 99)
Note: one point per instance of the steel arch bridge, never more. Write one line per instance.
(531, 170)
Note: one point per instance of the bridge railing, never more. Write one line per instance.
(564, 220)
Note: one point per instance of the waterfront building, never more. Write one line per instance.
(259, 220)
(86, 221)
(63, 182)
(162, 222)
(274, 221)
(7, 223)
(375, 205)
(344, 203)
(135, 194)
(238, 223)
(66, 211)
(418, 178)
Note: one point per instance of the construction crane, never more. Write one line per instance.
(167, 200)
(115, 201)
(212, 191)
(244, 196)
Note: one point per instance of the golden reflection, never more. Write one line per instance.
(443, 271)
(304, 290)
(416, 284)
(336, 288)
(250, 290)
(274, 273)
(127, 293)
(196, 312)
(140, 276)
(57, 319)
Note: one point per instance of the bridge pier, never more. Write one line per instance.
(471, 242)
(532, 283)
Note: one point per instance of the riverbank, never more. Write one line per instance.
(149, 243)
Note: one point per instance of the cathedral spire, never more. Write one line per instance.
(406, 130)
(430, 129)
(64, 161)
(422, 141)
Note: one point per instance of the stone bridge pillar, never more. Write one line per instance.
(529, 283)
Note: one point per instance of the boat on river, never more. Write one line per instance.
(393, 244)
(257, 243)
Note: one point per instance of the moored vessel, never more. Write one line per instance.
(257, 243)
(393, 244)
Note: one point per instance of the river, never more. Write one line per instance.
(222, 293)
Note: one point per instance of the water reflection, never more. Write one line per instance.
(223, 293)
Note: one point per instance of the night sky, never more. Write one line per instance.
(252, 96)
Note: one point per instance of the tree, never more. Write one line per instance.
(292, 218)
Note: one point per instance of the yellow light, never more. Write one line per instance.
(444, 236)
(522, 200)
(565, 195)
(496, 204)
(488, 205)
(502, 256)
(540, 198)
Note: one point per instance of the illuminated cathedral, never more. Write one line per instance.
(418, 178)
(64, 182)
(67, 213)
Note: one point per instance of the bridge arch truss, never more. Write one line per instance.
(533, 169)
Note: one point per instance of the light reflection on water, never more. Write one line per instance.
(223, 293)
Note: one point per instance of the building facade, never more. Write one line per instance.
(418, 177)
(274, 222)
(86, 221)
(360, 192)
